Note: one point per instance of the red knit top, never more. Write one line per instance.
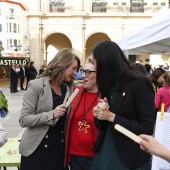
(81, 143)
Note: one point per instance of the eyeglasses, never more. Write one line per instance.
(87, 72)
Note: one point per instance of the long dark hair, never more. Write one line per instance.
(155, 76)
(112, 65)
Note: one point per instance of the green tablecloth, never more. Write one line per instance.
(9, 155)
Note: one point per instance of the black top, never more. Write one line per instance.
(134, 109)
(13, 76)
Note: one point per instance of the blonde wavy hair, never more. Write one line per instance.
(89, 60)
(55, 69)
(166, 77)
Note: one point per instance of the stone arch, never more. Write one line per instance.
(53, 42)
(92, 40)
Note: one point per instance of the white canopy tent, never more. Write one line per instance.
(152, 38)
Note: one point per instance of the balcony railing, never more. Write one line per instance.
(57, 9)
(99, 6)
(137, 7)
(104, 7)
(57, 6)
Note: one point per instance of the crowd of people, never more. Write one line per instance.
(82, 136)
(18, 73)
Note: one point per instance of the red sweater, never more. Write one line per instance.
(72, 135)
(81, 143)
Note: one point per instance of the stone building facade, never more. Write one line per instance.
(80, 24)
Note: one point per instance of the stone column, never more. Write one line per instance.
(78, 6)
(33, 5)
(35, 48)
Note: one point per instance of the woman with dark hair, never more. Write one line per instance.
(127, 98)
(156, 78)
(43, 114)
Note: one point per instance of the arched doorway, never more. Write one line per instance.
(55, 42)
(93, 40)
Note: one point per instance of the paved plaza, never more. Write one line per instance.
(10, 122)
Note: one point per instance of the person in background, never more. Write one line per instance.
(156, 78)
(163, 94)
(42, 68)
(78, 75)
(127, 99)
(22, 76)
(17, 69)
(166, 67)
(148, 69)
(80, 131)
(27, 73)
(3, 135)
(33, 71)
(139, 67)
(13, 78)
(3, 105)
(151, 145)
(3, 113)
(43, 114)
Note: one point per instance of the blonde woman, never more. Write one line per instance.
(80, 130)
(43, 114)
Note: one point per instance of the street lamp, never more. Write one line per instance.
(27, 54)
(16, 48)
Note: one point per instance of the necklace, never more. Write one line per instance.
(82, 124)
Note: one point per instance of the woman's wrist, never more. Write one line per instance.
(111, 117)
(165, 154)
(54, 116)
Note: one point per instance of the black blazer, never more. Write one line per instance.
(27, 71)
(21, 72)
(13, 76)
(134, 109)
